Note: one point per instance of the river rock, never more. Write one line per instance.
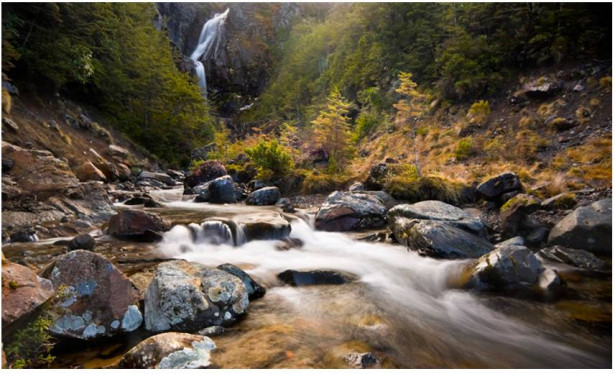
(313, 277)
(377, 176)
(106, 167)
(264, 196)
(588, 227)
(254, 289)
(222, 191)
(22, 291)
(186, 296)
(207, 171)
(493, 188)
(575, 257)
(517, 240)
(25, 235)
(170, 350)
(344, 211)
(434, 210)
(123, 172)
(365, 360)
(135, 224)
(98, 301)
(263, 226)
(356, 187)
(88, 172)
(438, 239)
(84, 241)
(160, 177)
(506, 267)
(516, 210)
(566, 200)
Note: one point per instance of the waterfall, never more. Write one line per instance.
(208, 45)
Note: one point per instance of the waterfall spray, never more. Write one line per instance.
(208, 46)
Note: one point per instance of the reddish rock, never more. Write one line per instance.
(22, 291)
(123, 172)
(88, 172)
(207, 171)
(98, 300)
(134, 223)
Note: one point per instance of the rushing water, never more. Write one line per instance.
(208, 46)
(402, 305)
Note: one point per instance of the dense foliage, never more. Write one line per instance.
(111, 55)
(459, 51)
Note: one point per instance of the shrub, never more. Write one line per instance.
(423, 188)
(479, 112)
(561, 124)
(271, 157)
(318, 183)
(6, 101)
(464, 149)
(605, 82)
(366, 122)
(583, 114)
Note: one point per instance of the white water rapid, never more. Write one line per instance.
(422, 320)
(208, 46)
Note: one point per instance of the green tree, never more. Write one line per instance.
(332, 131)
(409, 108)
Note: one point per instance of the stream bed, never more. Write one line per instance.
(402, 307)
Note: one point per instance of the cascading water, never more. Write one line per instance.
(416, 316)
(208, 46)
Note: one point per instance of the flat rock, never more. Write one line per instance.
(588, 227)
(262, 226)
(438, 239)
(135, 224)
(575, 257)
(170, 350)
(98, 300)
(186, 296)
(434, 210)
(160, 177)
(313, 277)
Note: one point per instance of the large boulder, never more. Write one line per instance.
(170, 350)
(438, 239)
(222, 191)
(506, 267)
(264, 196)
(38, 172)
(434, 210)
(135, 224)
(588, 227)
(22, 291)
(99, 301)
(493, 188)
(207, 171)
(88, 172)
(515, 211)
(160, 177)
(574, 257)
(186, 296)
(345, 211)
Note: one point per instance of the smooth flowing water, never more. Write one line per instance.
(208, 46)
(402, 305)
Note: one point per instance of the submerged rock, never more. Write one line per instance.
(186, 296)
(22, 291)
(588, 227)
(170, 350)
(438, 239)
(98, 300)
(312, 277)
(344, 211)
(264, 196)
(496, 187)
(254, 289)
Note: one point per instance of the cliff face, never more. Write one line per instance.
(242, 67)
